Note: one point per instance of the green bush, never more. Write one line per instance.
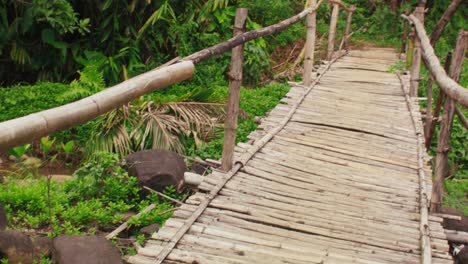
(94, 199)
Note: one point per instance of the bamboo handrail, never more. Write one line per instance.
(432, 62)
(27, 128)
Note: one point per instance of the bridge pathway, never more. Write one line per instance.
(338, 184)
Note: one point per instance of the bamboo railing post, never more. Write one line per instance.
(416, 61)
(348, 25)
(404, 36)
(311, 21)
(332, 31)
(438, 105)
(443, 147)
(235, 82)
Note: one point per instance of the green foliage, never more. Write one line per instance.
(95, 198)
(68, 147)
(19, 151)
(46, 144)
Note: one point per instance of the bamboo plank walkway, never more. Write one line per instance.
(338, 184)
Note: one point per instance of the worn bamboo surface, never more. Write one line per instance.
(338, 184)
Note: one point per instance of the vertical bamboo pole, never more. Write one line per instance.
(428, 121)
(416, 65)
(348, 25)
(438, 105)
(235, 82)
(332, 31)
(442, 167)
(311, 21)
(404, 36)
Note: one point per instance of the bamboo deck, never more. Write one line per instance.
(338, 184)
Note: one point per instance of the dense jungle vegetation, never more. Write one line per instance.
(56, 52)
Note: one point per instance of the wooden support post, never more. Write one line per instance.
(311, 21)
(348, 26)
(235, 82)
(332, 31)
(416, 63)
(428, 121)
(404, 36)
(438, 106)
(442, 166)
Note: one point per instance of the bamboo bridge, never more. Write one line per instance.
(336, 173)
(337, 184)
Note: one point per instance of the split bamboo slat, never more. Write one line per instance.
(337, 173)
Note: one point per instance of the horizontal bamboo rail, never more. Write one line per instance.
(28, 128)
(25, 129)
(432, 62)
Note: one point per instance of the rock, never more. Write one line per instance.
(454, 224)
(149, 230)
(3, 218)
(60, 178)
(462, 256)
(16, 247)
(157, 169)
(43, 246)
(84, 249)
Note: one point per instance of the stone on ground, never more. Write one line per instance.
(16, 247)
(84, 249)
(157, 169)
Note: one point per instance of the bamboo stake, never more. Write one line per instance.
(311, 21)
(235, 82)
(352, 8)
(332, 31)
(462, 118)
(25, 129)
(443, 21)
(416, 65)
(449, 86)
(426, 254)
(438, 105)
(404, 36)
(442, 167)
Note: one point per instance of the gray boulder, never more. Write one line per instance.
(84, 250)
(157, 169)
(16, 247)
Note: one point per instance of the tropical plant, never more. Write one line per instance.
(148, 125)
